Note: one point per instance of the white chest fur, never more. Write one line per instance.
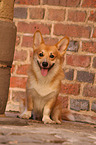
(41, 93)
(42, 88)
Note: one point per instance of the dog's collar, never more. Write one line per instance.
(45, 68)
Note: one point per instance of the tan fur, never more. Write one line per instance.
(43, 86)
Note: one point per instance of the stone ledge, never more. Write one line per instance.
(67, 133)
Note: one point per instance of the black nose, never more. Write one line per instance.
(44, 64)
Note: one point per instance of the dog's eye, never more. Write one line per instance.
(41, 54)
(51, 56)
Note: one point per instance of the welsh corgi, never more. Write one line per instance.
(44, 80)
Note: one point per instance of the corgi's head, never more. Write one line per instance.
(47, 56)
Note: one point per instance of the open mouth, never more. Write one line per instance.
(44, 69)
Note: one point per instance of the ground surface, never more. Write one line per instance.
(27, 132)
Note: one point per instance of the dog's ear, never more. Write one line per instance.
(62, 45)
(37, 39)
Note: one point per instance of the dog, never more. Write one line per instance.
(44, 81)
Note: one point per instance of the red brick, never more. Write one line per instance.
(18, 82)
(89, 3)
(20, 55)
(20, 13)
(51, 2)
(92, 16)
(55, 14)
(27, 41)
(28, 2)
(72, 30)
(22, 69)
(94, 62)
(89, 47)
(89, 91)
(18, 39)
(63, 3)
(78, 60)
(94, 33)
(69, 74)
(73, 89)
(13, 69)
(73, 3)
(84, 76)
(50, 41)
(32, 27)
(64, 101)
(31, 53)
(37, 13)
(70, 3)
(76, 16)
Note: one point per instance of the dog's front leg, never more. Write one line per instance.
(47, 111)
(28, 107)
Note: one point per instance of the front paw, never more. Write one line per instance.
(25, 115)
(47, 120)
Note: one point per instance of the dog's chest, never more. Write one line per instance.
(40, 101)
(42, 89)
(41, 92)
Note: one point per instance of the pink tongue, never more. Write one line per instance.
(44, 72)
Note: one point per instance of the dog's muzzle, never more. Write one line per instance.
(44, 69)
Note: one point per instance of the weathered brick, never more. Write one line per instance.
(92, 16)
(83, 76)
(89, 46)
(64, 101)
(56, 14)
(18, 82)
(36, 13)
(89, 3)
(73, 89)
(94, 33)
(89, 91)
(72, 3)
(50, 41)
(76, 16)
(20, 13)
(32, 27)
(51, 2)
(27, 41)
(69, 74)
(78, 60)
(72, 30)
(63, 3)
(94, 62)
(13, 69)
(79, 104)
(20, 55)
(93, 107)
(18, 39)
(22, 69)
(16, 95)
(28, 2)
(73, 46)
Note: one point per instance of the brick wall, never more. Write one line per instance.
(55, 19)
